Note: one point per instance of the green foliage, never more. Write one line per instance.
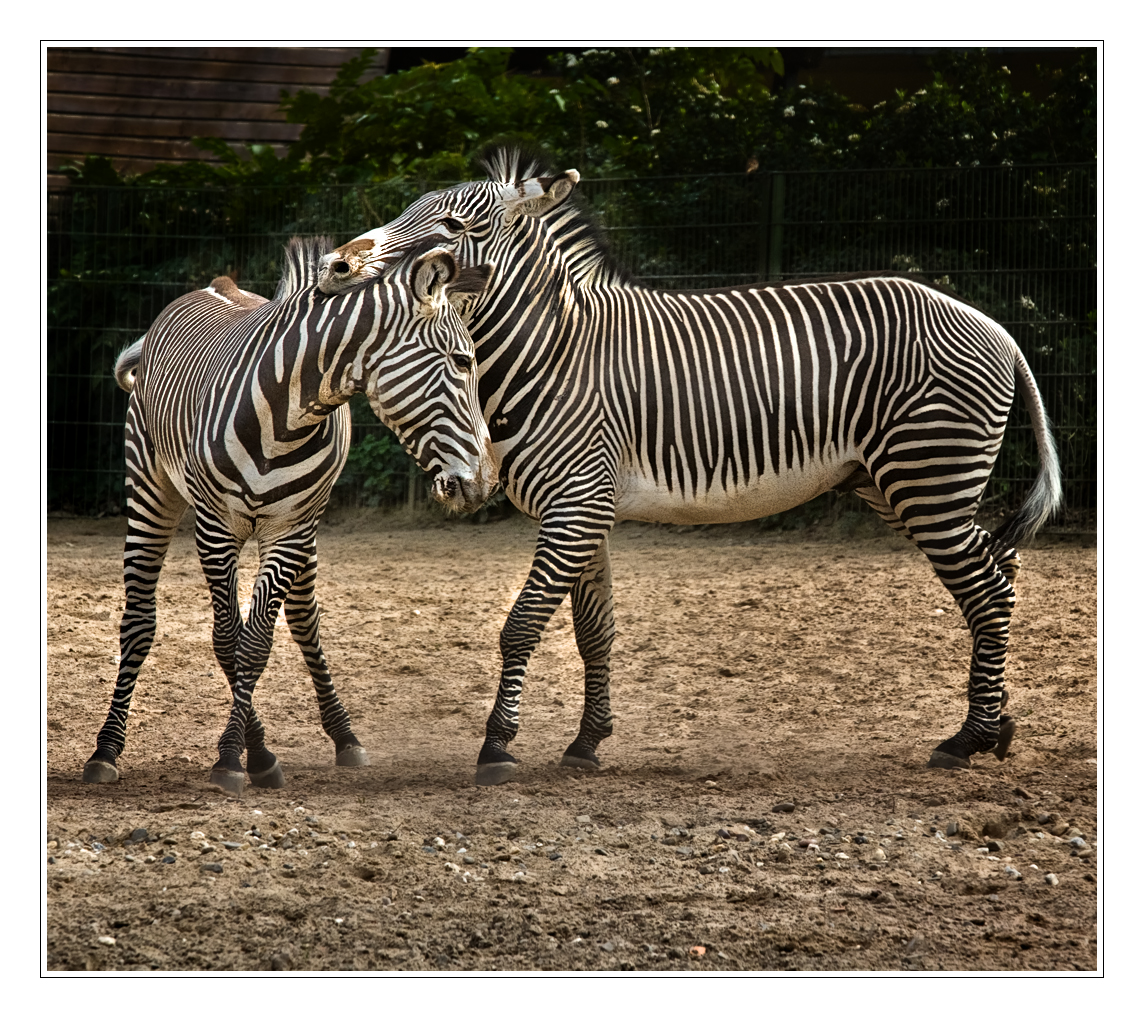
(424, 122)
(377, 469)
(637, 111)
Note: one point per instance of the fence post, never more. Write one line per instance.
(411, 479)
(775, 238)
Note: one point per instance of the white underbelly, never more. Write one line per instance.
(639, 497)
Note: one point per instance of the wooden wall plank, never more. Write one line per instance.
(136, 106)
(297, 75)
(166, 88)
(155, 127)
(315, 56)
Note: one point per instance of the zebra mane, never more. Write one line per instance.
(576, 228)
(508, 163)
(300, 265)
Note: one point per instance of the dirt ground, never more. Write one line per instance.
(752, 670)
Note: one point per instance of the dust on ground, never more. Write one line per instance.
(751, 670)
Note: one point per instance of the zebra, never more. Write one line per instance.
(239, 407)
(610, 401)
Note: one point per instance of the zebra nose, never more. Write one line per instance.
(464, 494)
(341, 267)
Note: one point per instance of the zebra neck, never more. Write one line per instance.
(316, 364)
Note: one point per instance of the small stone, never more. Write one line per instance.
(107, 941)
(1012, 873)
(1052, 879)
(879, 855)
(211, 867)
(1078, 842)
(698, 951)
(232, 845)
(1022, 793)
(608, 946)
(137, 835)
(993, 845)
(583, 819)
(783, 807)
(952, 828)
(168, 859)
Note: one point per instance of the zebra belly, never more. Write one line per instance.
(640, 497)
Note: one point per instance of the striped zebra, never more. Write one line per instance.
(609, 401)
(239, 407)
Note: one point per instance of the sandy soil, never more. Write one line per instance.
(751, 669)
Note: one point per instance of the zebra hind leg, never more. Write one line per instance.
(982, 587)
(302, 616)
(153, 513)
(595, 627)
(218, 554)
(984, 593)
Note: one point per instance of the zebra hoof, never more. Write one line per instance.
(272, 777)
(353, 756)
(947, 761)
(100, 772)
(585, 759)
(496, 773)
(1004, 737)
(231, 782)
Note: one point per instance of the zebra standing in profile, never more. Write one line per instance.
(239, 407)
(609, 401)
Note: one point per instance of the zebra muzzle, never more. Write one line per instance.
(462, 494)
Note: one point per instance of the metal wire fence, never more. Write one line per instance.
(1020, 242)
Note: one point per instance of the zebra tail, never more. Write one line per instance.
(126, 363)
(1045, 497)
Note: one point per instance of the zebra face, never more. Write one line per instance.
(455, 215)
(422, 379)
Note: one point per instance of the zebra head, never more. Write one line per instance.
(421, 378)
(465, 215)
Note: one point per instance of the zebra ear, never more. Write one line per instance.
(537, 196)
(432, 274)
(468, 286)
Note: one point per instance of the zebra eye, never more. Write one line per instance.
(462, 361)
(455, 225)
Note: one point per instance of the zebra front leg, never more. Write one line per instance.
(244, 730)
(595, 627)
(302, 617)
(154, 509)
(564, 549)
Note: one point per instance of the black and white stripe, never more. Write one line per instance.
(609, 401)
(239, 407)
